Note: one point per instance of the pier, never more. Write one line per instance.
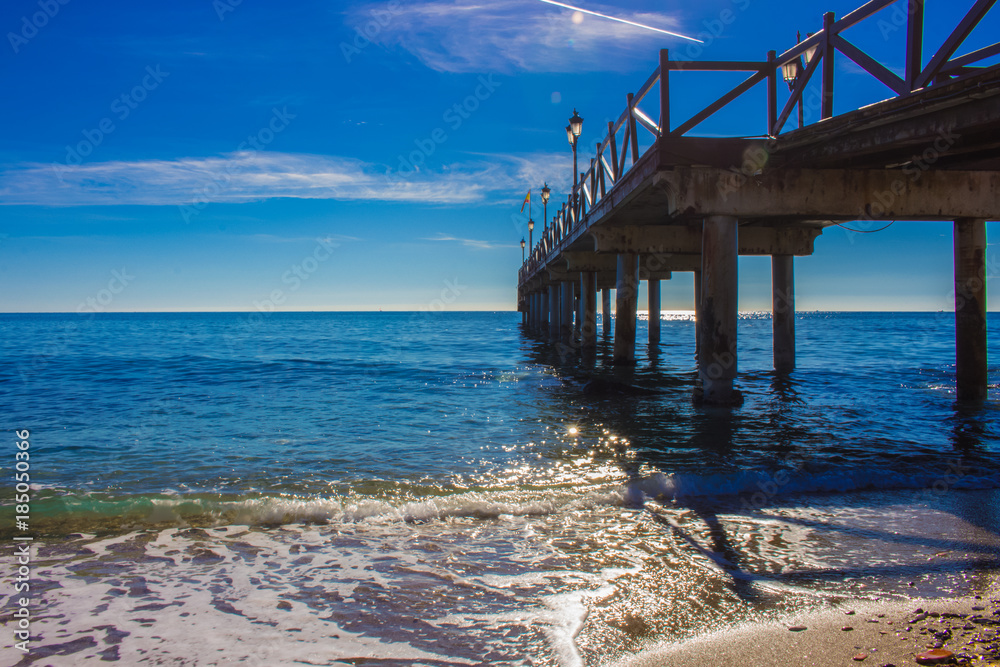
(931, 151)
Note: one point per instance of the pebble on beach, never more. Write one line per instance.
(934, 656)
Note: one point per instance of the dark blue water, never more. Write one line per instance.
(448, 468)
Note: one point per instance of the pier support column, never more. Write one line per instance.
(578, 325)
(653, 292)
(783, 312)
(970, 309)
(543, 311)
(606, 310)
(717, 357)
(697, 313)
(626, 296)
(566, 312)
(554, 311)
(588, 298)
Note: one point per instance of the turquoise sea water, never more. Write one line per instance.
(418, 488)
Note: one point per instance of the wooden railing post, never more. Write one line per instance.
(664, 92)
(593, 179)
(826, 110)
(600, 166)
(914, 42)
(633, 133)
(613, 147)
(772, 93)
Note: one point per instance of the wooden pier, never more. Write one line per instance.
(688, 203)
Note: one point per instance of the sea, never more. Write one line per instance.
(438, 488)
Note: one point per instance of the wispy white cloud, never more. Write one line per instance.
(519, 35)
(248, 176)
(469, 243)
(329, 239)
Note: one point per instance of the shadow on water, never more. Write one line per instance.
(785, 427)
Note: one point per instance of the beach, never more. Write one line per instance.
(855, 632)
(211, 490)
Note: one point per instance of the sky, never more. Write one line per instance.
(239, 155)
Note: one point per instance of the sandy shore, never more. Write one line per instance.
(866, 633)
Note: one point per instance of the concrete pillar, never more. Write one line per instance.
(578, 324)
(566, 312)
(697, 313)
(554, 311)
(653, 290)
(970, 309)
(606, 310)
(588, 297)
(717, 357)
(783, 312)
(543, 312)
(626, 296)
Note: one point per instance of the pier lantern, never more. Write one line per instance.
(790, 72)
(546, 191)
(522, 249)
(576, 124)
(810, 53)
(531, 228)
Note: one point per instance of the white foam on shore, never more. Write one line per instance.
(562, 587)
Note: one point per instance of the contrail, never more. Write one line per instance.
(612, 18)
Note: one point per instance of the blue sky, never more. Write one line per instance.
(240, 155)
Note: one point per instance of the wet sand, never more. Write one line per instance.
(865, 633)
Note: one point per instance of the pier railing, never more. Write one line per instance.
(619, 150)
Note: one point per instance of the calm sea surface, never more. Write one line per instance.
(434, 489)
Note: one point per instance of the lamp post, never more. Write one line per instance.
(793, 69)
(531, 227)
(546, 191)
(522, 250)
(573, 131)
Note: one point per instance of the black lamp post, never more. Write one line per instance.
(573, 131)
(546, 191)
(531, 227)
(522, 250)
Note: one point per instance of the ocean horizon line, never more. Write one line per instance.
(749, 311)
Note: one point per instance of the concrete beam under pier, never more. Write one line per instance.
(678, 247)
(717, 327)
(829, 194)
(971, 365)
(626, 297)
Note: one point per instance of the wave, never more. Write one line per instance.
(63, 511)
(771, 484)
